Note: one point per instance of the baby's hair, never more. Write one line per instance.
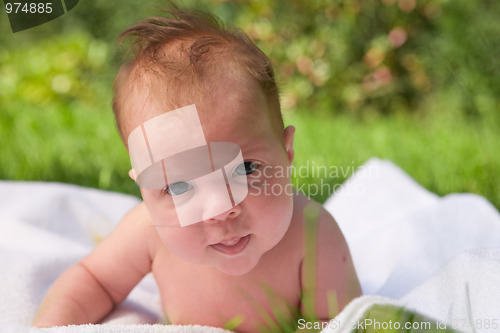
(187, 52)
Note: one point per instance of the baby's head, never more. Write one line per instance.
(193, 84)
(181, 60)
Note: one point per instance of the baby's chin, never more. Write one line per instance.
(238, 267)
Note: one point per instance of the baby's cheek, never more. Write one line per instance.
(273, 199)
(270, 183)
(255, 187)
(162, 211)
(181, 242)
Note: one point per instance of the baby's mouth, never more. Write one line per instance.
(232, 246)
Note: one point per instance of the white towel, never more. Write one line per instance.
(437, 256)
(400, 234)
(465, 294)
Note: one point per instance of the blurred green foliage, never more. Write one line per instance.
(416, 81)
(380, 56)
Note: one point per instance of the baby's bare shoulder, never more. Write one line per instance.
(313, 219)
(138, 214)
(131, 231)
(308, 214)
(137, 224)
(330, 261)
(309, 217)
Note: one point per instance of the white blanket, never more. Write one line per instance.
(400, 236)
(438, 256)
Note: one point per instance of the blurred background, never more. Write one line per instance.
(413, 81)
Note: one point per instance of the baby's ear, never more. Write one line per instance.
(131, 174)
(288, 136)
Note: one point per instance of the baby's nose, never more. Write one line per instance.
(228, 214)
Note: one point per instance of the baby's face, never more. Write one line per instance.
(234, 240)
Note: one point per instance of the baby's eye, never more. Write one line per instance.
(246, 168)
(178, 188)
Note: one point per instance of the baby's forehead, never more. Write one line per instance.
(217, 104)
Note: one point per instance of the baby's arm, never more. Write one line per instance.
(336, 282)
(89, 290)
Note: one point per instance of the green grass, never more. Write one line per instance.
(444, 153)
(74, 145)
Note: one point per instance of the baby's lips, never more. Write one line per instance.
(232, 246)
(231, 241)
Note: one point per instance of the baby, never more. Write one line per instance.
(219, 227)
